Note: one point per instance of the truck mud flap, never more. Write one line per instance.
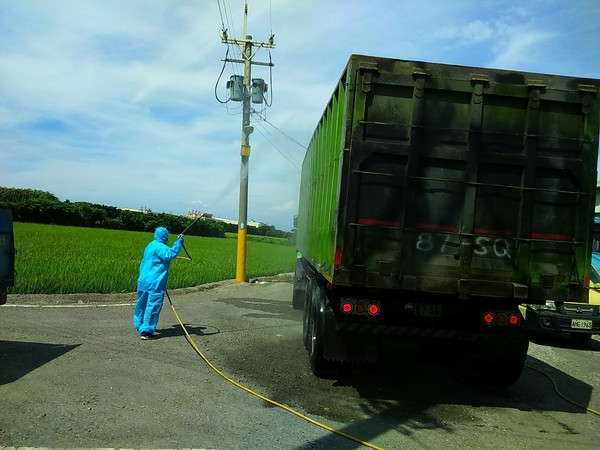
(496, 361)
(348, 347)
(300, 286)
(331, 352)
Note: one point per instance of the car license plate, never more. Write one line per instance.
(581, 324)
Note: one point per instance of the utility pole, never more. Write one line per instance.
(246, 45)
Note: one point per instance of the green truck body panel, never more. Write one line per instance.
(453, 180)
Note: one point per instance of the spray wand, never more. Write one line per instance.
(185, 230)
(190, 225)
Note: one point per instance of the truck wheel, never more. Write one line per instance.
(316, 327)
(507, 368)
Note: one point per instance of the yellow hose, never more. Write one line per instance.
(314, 422)
(561, 395)
(262, 397)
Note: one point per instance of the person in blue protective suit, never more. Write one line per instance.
(152, 282)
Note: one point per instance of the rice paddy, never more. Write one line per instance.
(55, 259)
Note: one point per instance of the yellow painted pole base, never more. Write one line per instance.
(240, 270)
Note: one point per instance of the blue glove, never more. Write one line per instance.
(180, 238)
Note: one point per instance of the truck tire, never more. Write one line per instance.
(506, 368)
(316, 330)
(495, 362)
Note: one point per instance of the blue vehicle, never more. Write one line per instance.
(7, 253)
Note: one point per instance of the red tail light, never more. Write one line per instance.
(338, 257)
(373, 309)
(501, 318)
(347, 307)
(360, 307)
(488, 318)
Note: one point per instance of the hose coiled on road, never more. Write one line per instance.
(262, 397)
(560, 394)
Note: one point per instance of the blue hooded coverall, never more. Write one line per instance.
(152, 283)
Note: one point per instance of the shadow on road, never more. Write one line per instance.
(412, 394)
(411, 390)
(422, 378)
(20, 358)
(564, 341)
(177, 331)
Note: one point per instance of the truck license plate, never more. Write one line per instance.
(581, 324)
(428, 310)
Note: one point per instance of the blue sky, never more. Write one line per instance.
(113, 101)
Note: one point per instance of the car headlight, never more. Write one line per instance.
(549, 306)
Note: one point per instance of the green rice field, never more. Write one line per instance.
(67, 260)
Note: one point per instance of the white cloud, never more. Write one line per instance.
(286, 207)
(113, 101)
(518, 46)
(472, 32)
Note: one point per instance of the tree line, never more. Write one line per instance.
(35, 206)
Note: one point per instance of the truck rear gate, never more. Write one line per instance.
(452, 179)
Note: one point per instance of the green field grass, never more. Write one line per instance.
(67, 260)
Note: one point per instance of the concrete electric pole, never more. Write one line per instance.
(245, 45)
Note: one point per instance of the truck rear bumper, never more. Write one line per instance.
(383, 331)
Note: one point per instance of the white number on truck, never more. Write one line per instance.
(483, 245)
(424, 243)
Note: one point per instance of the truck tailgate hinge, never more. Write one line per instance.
(367, 71)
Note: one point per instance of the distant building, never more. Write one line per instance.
(143, 211)
(209, 216)
(250, 223)
(195, 214)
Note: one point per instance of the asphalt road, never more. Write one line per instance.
(78, 376)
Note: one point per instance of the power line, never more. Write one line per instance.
(226, 30)
(221, 14)
(289, 158)
(228, 16)
(218, 79)
(287, 136)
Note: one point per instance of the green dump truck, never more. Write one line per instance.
(434, 200)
